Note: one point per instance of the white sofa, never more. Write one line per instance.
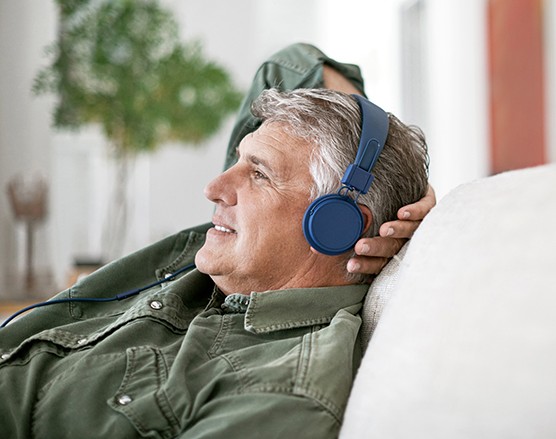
(466, 343)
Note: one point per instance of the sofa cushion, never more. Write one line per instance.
(379, 293)
(466, 346)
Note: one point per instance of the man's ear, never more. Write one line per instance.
(367, 217)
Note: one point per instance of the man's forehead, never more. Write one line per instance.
(274, 139)
(282, 156)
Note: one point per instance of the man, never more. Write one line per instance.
(261, 340)
(191, 357)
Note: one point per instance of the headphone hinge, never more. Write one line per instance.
(357, 178)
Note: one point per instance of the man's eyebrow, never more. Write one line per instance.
(256, 160)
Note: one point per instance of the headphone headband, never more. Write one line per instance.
(333, 223)
(374, 131)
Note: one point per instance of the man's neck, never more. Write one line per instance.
(230, 285)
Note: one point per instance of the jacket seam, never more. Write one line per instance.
(212, 351)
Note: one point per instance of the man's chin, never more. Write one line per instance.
(201, 262)
(206, 262)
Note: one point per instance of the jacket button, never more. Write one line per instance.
(155, 304)
(5, 356)
(81, 341)
(124, 399)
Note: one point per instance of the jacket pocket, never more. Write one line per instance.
(141, 397)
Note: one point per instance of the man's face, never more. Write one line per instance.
(257, 241)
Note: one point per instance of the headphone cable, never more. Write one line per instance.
(117, 297)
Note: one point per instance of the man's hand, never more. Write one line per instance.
(374, 253)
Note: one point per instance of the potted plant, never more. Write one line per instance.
(121, 64)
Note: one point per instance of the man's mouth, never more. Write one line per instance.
(223, 229)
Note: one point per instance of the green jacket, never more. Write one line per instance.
(179, 360)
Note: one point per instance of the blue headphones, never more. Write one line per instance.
(333, 223)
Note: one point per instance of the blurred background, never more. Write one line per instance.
(479, 76)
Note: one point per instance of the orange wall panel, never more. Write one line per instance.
(516, 75)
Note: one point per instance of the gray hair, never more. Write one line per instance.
(331, 120)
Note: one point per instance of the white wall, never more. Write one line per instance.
(455, 107)
(25, 145)
(458, 93)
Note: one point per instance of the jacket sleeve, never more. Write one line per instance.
(264, 415)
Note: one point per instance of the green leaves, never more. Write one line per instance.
(121, 64)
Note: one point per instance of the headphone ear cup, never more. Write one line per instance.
(332, 224)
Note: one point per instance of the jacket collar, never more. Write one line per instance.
(294, 308)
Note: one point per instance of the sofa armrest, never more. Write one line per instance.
(466, 346)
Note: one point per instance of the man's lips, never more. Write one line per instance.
(223, 229)
(220, 225)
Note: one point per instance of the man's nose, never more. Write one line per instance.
(222, 189)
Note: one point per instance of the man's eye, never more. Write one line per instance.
(258, 175)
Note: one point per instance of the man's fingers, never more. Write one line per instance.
(399, 229)
(366, 265)
(378, 247)
(372, 254)
(417, 211)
